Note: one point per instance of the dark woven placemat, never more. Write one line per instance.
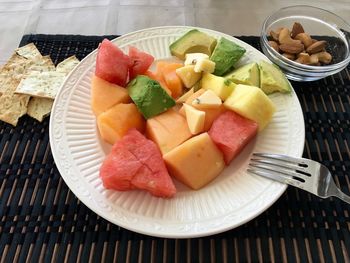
(42, 220)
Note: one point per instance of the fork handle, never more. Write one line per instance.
(342, 196)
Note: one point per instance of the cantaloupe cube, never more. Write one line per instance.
(172, 80)
(168, 130)
(251, 102)
(158, 77)
(114, 123)
(210, 113)
(105, 95)
(195, 162)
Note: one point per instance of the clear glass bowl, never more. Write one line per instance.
(320, 24)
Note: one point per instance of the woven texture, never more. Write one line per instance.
(41, 219)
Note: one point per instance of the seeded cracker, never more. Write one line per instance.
(67, 65)
(28, 51)
(44, 87)
(39, 108)
(41, 84)
(12, 106)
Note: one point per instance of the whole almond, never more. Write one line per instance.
(316, 47)
(297, 29)
(292, 48)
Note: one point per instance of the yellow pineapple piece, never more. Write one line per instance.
(220, 85)
(252, 103)
(188, 76)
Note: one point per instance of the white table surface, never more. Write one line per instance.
(101, 17)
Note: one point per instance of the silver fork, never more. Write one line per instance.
(303, 173)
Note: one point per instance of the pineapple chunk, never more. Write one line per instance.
(221, 86)
(204, 65)
(188, 75)
(191, 58)
(207, 100)
(195, 119)
(251, 102)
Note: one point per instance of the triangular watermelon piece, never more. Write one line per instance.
(112, 64)
(141, 61)
(136, 162)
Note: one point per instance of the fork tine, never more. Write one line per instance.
(280, 163)
(284, 158)
(270, 167)
(300, 171)
(276, 177)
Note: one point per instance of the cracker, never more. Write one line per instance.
(28, 51)
(41, 84)
(39, 108)
(12, 106)
(67, 65)
(42, 64)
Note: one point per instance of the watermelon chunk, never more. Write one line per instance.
(112, 64)
(231, 133)
(119, 168)
(136, 162)
(141, 61)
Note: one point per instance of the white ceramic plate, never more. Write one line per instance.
(232, 199)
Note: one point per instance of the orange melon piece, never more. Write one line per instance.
(105, 94)
(210, 113)
(114, 123)
(160, 79)
(168, 130)
(172, 80)
(196, 162)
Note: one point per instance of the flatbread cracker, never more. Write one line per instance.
(12, 106)
(42, 64)
(28, 51)
(67, 65)
(39, 108)
(41, 84)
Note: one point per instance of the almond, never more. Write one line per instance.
(292, 48)
(297, 29)
(316, 47)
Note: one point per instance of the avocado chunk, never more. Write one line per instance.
(150, 98)
(225, 55)
(194, 41)
(272, 79)
(248, 74)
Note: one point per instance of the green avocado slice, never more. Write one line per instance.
(272, 79)
(194, 41)
(149, 97)
(225, 55)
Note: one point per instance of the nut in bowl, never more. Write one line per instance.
(307, 43)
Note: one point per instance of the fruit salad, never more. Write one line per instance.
(183, 121)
